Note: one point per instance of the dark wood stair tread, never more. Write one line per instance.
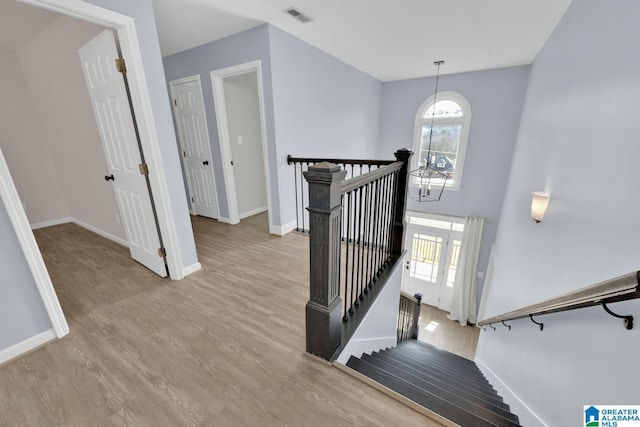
(442, 374)
(436, 384)
(445, 383)
(424, 398)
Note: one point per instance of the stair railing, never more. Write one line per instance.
(408, 316)
(356, 240)
(621, 288)
(353, 167)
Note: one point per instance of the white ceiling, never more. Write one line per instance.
(390, 40)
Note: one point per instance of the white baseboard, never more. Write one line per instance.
(102, 233)
(82, 224)
(253, 212)
(358, 347)
(191, 269)
(27, 345)
(525, 415)
(51, 223)
(224, 219)
(282, 230)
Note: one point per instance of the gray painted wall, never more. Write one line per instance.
(22, 313)
(247, 46)
(323, 108)
(496, 98)
(580, 116)
(142, 13)
(315, 105)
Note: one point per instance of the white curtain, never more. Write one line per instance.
(463, 307)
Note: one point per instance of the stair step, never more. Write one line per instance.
(414, 347)
(420, 360)
(442, 375)
(417, 378)
(489, 398)
(431, 400)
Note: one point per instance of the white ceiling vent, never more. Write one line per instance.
(298, 15)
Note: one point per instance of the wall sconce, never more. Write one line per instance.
(539, 202)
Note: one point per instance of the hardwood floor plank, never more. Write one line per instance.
(223, 347)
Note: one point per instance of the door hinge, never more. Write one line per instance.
(162, 252)
(144, 169)
(121, 66)
(175, 103)
(193, 200)
(184, 154)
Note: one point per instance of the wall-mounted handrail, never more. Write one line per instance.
(619, 288)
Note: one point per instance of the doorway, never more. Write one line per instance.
(124, 25)
(433, 247)
(193, 137)
(127, 171)
(238, 99)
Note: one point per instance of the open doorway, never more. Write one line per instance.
(433, 244)
(238, 99)
(79, 152)
(22, 124)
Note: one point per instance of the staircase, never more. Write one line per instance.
(449, 385)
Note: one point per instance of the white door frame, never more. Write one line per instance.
(172, 85)
(128, 39)
(17, 216)
(124, 25)
(217, 82)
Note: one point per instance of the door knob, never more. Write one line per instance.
(109, 178)
(206, 162)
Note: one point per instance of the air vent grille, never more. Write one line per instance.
(295, 13)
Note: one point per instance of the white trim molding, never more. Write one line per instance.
(282, 230)
(93, 229)
(253, 212)
(102, 233)
(51, 223)
(18, 218)
(30, 344)
(217, 83)
(139, 92)
(192, 269)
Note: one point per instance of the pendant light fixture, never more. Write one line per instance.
(427, 181)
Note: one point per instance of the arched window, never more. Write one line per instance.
(451, 117)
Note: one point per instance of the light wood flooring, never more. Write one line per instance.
(223, 347)
(448, 335)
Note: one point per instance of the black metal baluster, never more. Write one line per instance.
(365, 239)
(374, 247)
(376, 238)
(346, 264)
(367, 228)
(298, 190)
(353, 249)
(302, 196)
(360, 247)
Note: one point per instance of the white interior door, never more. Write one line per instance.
(115, 123)
(432, 258)
(194, 141)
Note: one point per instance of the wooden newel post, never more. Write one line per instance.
(399, 222)
(323, 318)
